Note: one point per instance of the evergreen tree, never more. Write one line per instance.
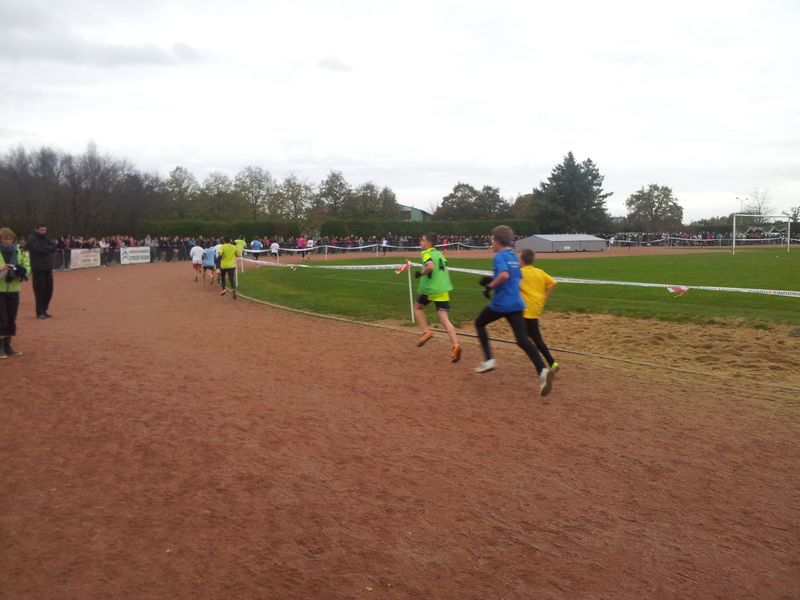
(572, 199)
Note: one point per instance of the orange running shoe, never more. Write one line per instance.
(426, 335)
(455, 353)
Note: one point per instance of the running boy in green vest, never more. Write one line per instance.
(434, 286)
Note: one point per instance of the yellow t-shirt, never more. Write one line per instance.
(533, 288)
(228, 254)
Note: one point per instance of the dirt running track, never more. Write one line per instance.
(161, 441)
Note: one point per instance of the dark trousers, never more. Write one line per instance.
(42, 290)
(231, 273)
(517, 322)
(9, 306)
(535, 334)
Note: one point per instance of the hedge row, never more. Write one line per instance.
(417, 228)
(288, 229)
(246, 229)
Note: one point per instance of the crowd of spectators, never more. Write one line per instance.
(679, 238)
(683, 238)
(166, 248)
(169, 248)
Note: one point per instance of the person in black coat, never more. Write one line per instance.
(42, 253)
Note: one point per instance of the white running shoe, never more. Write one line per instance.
(486, 365)
(545, 382)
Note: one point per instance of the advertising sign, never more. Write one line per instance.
(83, 258)
(134, 255)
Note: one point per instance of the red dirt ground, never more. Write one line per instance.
(161, 441)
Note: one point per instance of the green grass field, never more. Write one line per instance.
(382, 295)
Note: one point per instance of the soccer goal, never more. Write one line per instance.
(759, 230)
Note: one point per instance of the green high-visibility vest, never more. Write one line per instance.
(438, 280)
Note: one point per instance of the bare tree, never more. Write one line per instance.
(295, 197)
(255, 185)
(758, 203)
(181, 188)
(219, 198)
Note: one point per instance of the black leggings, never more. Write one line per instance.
(9, 306)
(231, 273)
(517, 322)
(533, 331)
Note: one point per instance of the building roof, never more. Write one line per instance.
(404, 207)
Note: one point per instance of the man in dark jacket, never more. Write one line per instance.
(42, 252)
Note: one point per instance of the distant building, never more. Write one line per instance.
(409, 213)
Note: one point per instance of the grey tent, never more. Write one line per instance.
(562, 243)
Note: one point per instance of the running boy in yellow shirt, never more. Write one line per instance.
(228, 253)
(535, 288)
(434, 286)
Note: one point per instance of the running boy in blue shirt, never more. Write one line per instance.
(209, 266)
(507, 303)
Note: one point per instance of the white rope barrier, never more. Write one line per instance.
(325, 247)
(574, 280)
(705, 288)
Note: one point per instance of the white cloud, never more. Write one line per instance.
(334, 64)
(420, 95)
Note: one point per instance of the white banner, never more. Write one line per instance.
(134, 255)
(82, 258)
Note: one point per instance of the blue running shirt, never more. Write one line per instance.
(506, 297)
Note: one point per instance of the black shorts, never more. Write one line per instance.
(206, 268)
(440, 304)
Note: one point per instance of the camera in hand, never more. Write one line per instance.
(14, 272)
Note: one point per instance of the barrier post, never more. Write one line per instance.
(788, 233)
(326, 251)
(410, 294)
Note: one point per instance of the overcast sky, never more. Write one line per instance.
(418, 95)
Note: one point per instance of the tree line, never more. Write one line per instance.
(94, 194)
